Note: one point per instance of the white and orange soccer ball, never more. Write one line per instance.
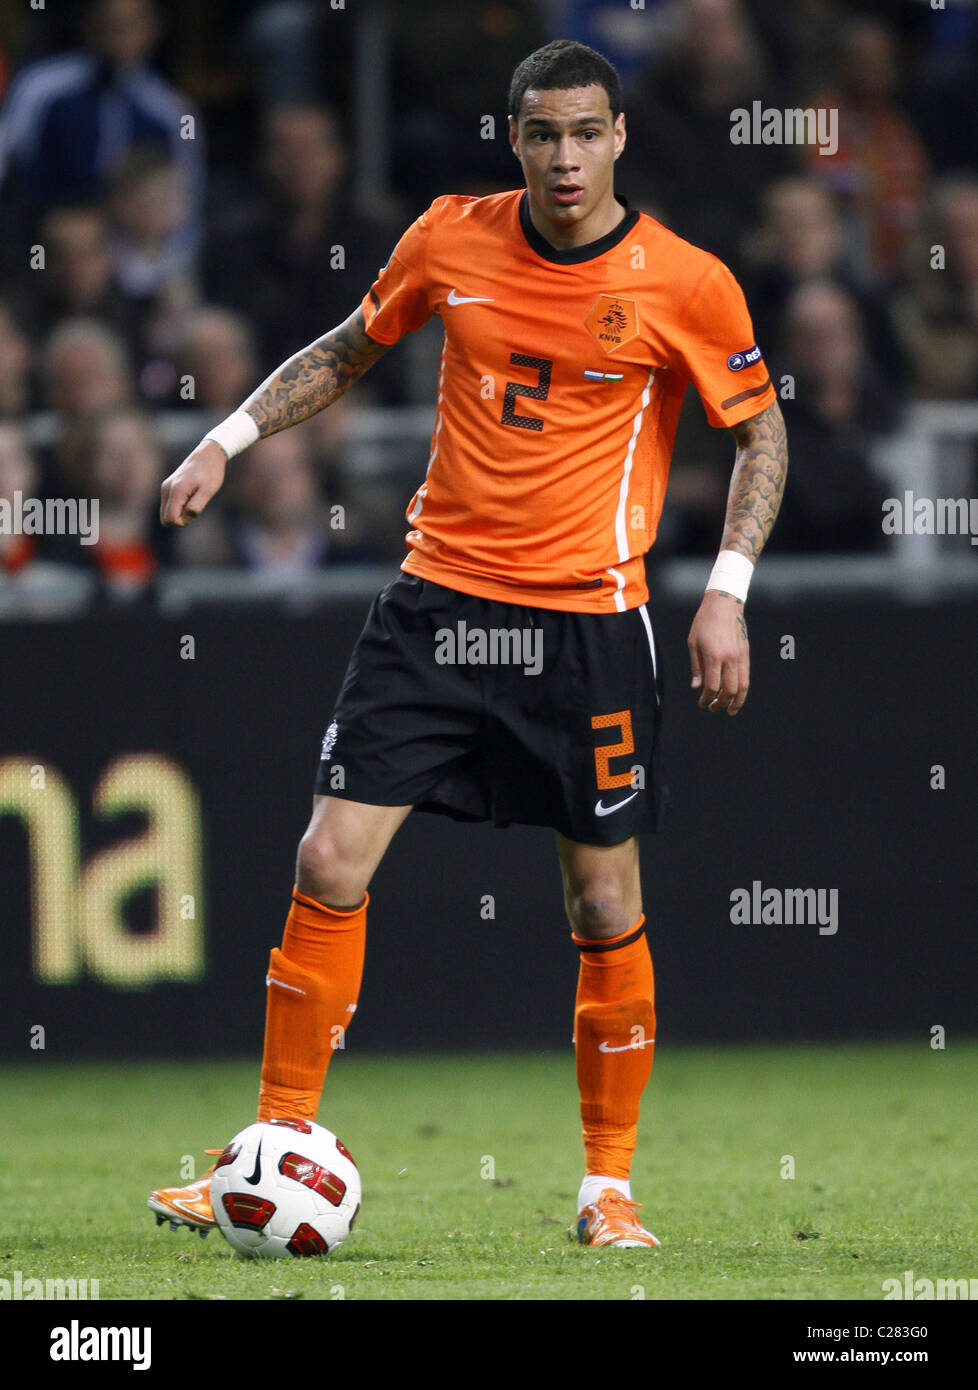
(288, 1187)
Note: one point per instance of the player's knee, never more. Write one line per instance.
(599, 909)
(323, 872)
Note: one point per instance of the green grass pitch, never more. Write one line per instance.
(471, 1165)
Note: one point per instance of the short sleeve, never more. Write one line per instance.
(716, 351)
(397, 301)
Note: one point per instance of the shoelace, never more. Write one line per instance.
(620, 1200)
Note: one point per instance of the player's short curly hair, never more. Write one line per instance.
(561, 65)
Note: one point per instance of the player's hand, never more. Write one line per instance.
(187, 491)
(719, 653)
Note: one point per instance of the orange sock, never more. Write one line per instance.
(313, 984)
(614, 1036)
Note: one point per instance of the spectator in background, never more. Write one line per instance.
(275, 519)
(451, 67)
(77, 280)
(801, 236)
(295, 50)
(880, 169)
(68, 122)
(678, 122)
(802, 38)
(152, 241)
(80, 280)
(942, 101)
(278, 524)
(161, 333)
(113, 454)
(216, 347)
(281, 38)
(937, 316)
(699, 479)
(373, 502)
(840, 408)
(296, 259)
(15, 364)
(626, 35)
(18, 473)
(84, 367)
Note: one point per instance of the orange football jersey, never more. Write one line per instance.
(561, 379)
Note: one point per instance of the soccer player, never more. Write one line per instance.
(510, 672)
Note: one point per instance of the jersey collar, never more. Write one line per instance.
(573, 255)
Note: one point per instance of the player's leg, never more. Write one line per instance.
(602, 886)
(313, 980)
(404, 732)
(614, 1029)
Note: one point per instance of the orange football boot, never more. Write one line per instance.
(186, 1206)
(611, 1220)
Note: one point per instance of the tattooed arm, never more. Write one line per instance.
(757, 483)
(302, 386)
(718, 646)
(314, 377)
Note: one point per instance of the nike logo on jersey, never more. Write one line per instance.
(255, 1177)
(600, 809)
(629, 1047)
(455, 298)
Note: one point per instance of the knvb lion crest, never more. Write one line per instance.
(612, 322)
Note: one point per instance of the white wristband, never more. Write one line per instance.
(731, 574)
(235, 433)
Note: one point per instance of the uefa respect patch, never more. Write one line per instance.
(737, 361)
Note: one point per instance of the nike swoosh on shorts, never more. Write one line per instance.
(600, 809)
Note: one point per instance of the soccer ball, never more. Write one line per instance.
(287, 1187)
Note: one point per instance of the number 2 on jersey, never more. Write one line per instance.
(539, 392)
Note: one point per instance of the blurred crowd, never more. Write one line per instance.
(180, 212)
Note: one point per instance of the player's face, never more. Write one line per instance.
(567, 143)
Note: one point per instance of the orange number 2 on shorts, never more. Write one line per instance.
(603, 755)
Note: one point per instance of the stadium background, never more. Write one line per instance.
(163, 696)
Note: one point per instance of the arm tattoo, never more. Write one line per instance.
(757, 483)
(314, 377)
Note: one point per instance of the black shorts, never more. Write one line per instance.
(483, 710)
